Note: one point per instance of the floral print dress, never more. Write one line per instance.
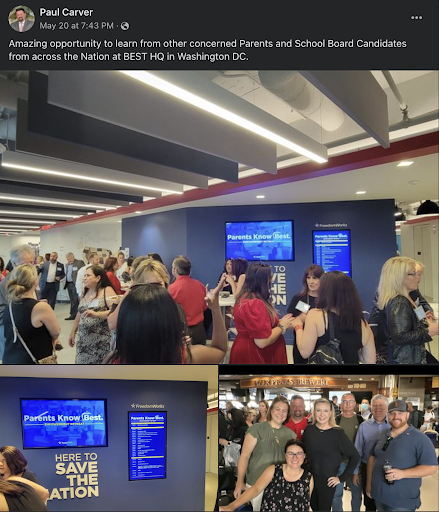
(281, 495)
(93, 336)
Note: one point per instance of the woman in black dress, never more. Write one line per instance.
(327, 446)
(287, 486)
(305, 300)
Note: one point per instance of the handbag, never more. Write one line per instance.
(330, 352)
(231, 454)
(52, 359)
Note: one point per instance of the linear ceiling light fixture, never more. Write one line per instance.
(33, 214)
(62, 203)
(19, 227)
(191, 98)
(86, 178)
(27, 220)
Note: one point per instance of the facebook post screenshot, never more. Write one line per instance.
(246, 190)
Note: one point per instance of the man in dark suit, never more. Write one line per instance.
(71, 270)
(22, 24)
(51, 274)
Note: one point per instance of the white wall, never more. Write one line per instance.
(7, 242)
(75, 237)
(419, 241)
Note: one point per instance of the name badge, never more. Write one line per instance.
(420, 313)
(59, 268)
(74, 268)
(303, 306)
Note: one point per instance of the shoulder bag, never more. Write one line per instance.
(52, 359)
(330, 352)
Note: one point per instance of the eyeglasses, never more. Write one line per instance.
(386, 444)
(413, 274)
(298, 455)
(348, 401)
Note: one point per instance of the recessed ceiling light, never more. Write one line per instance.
(87, 178)
(260, 197)
(372, 378)
(119, 221)
(199, 102)
(359, 192)
(138, 212)
(405, 163)
(413, 182)
(360, 378)
(18, 226)
(349, 379)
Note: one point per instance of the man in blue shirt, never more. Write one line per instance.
(367, 434)
(411, 456)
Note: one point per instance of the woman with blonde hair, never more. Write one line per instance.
(407, 327)
(264, 444)
(327, 446)
(263, 411)
(36, 323)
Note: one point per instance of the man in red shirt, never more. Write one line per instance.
(297, 423)
(190, 294)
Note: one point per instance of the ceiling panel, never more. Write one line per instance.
(151, 112)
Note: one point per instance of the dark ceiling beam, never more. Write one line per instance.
(136, 152)
(61, 194)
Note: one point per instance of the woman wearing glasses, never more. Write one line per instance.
(407, 325)
(327, 446)
(260, 332)
(264, 444)
(287, 486)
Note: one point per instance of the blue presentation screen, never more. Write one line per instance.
(268, 240)
(147, 445)
(332, 250)
(64, 423)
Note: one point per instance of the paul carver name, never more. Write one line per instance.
(65, 11)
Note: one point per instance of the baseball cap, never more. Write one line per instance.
(398, 405)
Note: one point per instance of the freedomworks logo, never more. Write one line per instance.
(147, 406)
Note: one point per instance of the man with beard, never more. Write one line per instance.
(297, 423)
(408, 456)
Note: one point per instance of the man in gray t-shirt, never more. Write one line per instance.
(19, 255)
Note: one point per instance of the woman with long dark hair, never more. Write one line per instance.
(286, 486)
(305, 300)
(339, 303)
(90, 331)
(150, 330)
(260, 332)
(237, 277)
(19, 494)
(238, 426)
(111, 265)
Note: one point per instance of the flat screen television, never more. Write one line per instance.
(64, 423)
(263, 240)
(332, 250)
(147, 445)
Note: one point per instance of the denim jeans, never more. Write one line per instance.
(356, 491)
(381, 507)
